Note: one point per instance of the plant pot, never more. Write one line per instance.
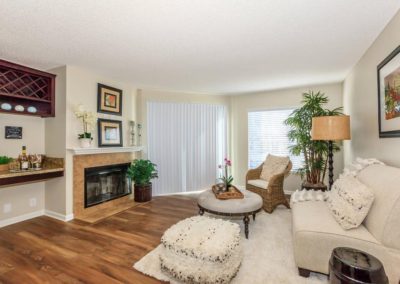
(4, 168)
(142, 193)
(85, 142)
(312, 186)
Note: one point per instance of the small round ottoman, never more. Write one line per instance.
(201, 250)
(251, 204)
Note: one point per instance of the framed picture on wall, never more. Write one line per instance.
(109, 100)
(13, 132)
(389, 95)
(110, 132)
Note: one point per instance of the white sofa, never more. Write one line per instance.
(316, 233)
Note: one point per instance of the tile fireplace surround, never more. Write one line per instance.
(94, 213)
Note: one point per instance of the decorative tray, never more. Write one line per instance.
(233, 193)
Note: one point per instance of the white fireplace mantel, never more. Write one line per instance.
(104, 150)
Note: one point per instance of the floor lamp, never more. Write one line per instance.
(330, 128)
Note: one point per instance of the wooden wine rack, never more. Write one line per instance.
(28, 87)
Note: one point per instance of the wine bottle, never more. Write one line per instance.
(24, 159)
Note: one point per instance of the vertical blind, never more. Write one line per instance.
(267, 134)
(187, 142)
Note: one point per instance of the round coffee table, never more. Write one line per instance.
(251, 204)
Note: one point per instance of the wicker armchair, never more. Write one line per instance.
(273, 195)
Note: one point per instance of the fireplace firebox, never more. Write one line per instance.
(106, 183)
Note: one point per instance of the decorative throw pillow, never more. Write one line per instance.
(273, 165)
(349, 202)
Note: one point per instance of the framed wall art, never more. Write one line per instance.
(13, 132)
(389, 95)
(110, 132)
(109, 100)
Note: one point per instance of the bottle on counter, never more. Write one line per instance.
(24, 161)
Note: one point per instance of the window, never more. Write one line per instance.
(268, 135)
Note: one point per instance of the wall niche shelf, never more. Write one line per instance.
(27, 87)
(105, 150)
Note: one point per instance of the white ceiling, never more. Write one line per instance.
(208, 46)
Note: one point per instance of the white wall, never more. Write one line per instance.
(361, 101)
(287, 98)
(32, 137)
(81, 88)
(55, 135)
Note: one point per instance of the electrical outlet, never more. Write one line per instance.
(7, 208)
(32, 202)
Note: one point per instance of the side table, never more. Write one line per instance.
(352, 266)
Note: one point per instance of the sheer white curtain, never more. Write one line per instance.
(187, 142)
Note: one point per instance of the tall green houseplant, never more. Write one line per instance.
(315, 153)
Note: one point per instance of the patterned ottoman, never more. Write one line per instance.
(201, 250)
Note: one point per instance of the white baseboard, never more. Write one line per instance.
(24, 217)
(59, 216)
(21, 218)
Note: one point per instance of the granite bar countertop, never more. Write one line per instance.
(8, 174)
(50, 165)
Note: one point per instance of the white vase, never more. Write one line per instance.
(85, 142)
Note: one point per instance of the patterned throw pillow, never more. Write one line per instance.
(273, 165)
(349, 202)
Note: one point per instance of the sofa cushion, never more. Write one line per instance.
(258, 183)
(273, 165)
(316, 234)
(349, 201)
(383, 219)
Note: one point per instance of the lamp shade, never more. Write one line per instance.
(331, 127)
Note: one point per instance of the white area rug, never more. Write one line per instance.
(268, 253)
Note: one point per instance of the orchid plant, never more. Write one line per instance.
(88, 121)
(227, 180)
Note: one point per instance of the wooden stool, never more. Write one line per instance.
(351, 266)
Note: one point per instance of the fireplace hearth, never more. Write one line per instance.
(106, 183)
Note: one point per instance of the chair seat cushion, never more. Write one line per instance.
(258, 183)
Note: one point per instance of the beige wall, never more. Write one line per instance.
(149, 95)
(81, 88)
(361, 101)
(19, 196)
(55, 135)
(287, 98)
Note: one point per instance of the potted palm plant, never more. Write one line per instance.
(315, 153)
(141, 172)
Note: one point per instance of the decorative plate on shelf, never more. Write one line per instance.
(6, 106)
(32, 109)
(19, 108)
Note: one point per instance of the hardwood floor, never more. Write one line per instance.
(44, 250)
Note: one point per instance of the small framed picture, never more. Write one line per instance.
(110, 132)
(109, 100)
(389, 95)
(13, 132)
